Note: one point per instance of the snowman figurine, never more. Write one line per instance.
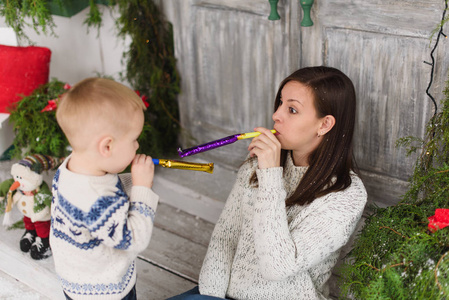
(33, 199)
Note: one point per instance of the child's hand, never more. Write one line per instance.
(142, 170)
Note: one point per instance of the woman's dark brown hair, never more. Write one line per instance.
(332, 161)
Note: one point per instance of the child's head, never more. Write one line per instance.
(98, 113)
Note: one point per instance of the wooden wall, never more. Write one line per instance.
(232, 58)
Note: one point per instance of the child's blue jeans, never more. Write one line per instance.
(194, 294)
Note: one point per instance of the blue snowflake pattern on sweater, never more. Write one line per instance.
(98, 289)
(87, 230)
(143, 209)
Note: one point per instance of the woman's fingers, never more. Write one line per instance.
(266, 147)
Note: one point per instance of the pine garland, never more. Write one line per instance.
(38, 132)
(151, 69)
(16, 11)
(395, 256)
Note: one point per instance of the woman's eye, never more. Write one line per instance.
(292, 110)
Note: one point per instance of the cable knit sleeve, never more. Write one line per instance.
(216, 268)
(316, 231)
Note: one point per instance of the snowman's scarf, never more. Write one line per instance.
(30, 193)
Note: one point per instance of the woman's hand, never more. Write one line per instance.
(142, 170)
(267, 149)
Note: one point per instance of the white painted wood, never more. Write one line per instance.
(6, 132)
(38, 275)
(12, 289)
(7, 36)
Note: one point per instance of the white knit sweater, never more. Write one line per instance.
(262, 250)
(97, 231)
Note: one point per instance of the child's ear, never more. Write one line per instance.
(105, 146)
(327, 124)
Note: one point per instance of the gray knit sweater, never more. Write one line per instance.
(262, 250)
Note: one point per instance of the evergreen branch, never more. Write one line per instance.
(444, 171)
(393, 231)
(371, 266)
(436, 270)
(168, 112)
(395, 265)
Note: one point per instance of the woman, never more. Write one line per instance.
(296, 201)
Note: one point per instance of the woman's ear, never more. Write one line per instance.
(105, 146)
(326, 125)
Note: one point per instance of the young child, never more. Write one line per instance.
(100, 220)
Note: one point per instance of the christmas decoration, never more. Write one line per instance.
(439, 220)
(22, 70)
(33, 198)
(37, 132)
(218, 143)
(53, 104)
(401, 252)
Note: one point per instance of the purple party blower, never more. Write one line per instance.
(208, 146)
(218, 143)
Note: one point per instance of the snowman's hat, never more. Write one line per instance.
(39, 163)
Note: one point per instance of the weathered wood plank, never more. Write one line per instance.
(391, 102)
(397, 17)
(198, 193)
(182, 224)
(154, 283)
(236, 58)
(175, 253)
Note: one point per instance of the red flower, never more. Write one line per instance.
(439, 220)
(52, 104)
(144, 99)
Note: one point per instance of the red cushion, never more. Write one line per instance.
(22, 70)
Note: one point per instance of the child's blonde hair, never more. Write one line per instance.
(94, 104)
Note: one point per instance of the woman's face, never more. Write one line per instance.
(296, 121)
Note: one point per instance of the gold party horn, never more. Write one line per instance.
(175, 164)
